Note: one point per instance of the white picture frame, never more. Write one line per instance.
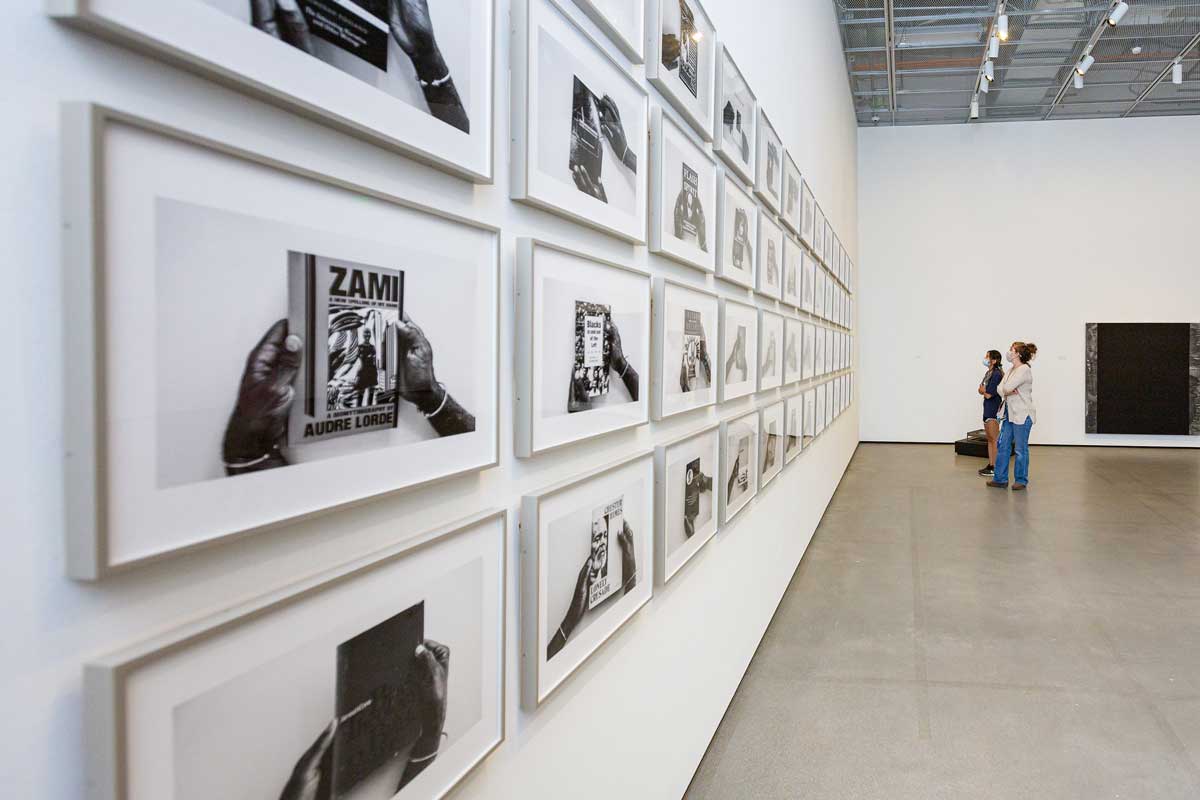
(341, 88)
(683, 197)
(808, 209)
(157, 712)
(562, 82)
(793, 348)
(808, 352)
(686, 327)
(739, 464)
(768, 176)
(556, 287)
(738, 368)
(791, 205)
(793, 412)
(737, 232)
(818, 242)
(770, 350)
(735, 118)
(685, 475)
(686, 78)
(129, 476)
(772, 436)
(793, 272)
(623, 21)
(558, 548)
(769, 272)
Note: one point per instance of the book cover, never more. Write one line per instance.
(691, 494)
(689, 214)
(359, 27)
(743, 464)
(593, 346)
(772, 165)
(771, 455)
(346, 313)
(772, 262)
(376, 697)
(607, 523)
(689, 49)
(693, 345)
(741, 239)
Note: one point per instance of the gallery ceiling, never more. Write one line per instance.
(926, 72)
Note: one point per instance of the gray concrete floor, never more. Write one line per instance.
(945, 640)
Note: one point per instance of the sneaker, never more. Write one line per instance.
(988, 471)
(995, 485)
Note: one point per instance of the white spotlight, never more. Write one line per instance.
(983, 86)
(1177, 73)
(1116, 12)
(994, 47)
(1078, 81)
(974, 108)
(1002, 27)
(1085, 64)
(989, 70)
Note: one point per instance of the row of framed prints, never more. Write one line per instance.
(590, 335)
(350, 691)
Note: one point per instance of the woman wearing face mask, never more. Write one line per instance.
(989, 387)
(1017, 415)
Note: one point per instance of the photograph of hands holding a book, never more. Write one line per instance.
(695, 368)
(736, 367)
(689, 211)
(598, 352)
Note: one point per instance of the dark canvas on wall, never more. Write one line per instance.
(1143, 378)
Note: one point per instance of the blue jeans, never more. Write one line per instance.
(1010, 434)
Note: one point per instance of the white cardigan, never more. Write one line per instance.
(1018, 407)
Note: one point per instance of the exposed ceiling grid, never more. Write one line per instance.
(917, 62)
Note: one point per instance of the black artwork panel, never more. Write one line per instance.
(1142, 378)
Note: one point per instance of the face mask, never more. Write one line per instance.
(1009, 357)
(987, 362)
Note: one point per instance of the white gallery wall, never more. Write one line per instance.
(978, 235)
(645, 706)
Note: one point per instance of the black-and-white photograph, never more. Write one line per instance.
(415, 51)
(688, 473)
(808, 279)
(808, 207)
(808, 352)
(822, 410)
(589, 548)
(829, 240)
(739, 463)
(738, 234)
(382, 679)
(686, 321)
(770, 256)
(735, 135)
(809, 417)
(819, 293)
(820, 351)
(771, 347)
(768, 180)
(772, 433)
(585, 355)
(792, 346)
(791, 213)
(792, 266)
(739, 349)
(684, 197)
(829, 287)
(793, 412)
(683, 59)
(818, 238)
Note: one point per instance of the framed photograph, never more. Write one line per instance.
(822, 397)
(821, 351)
(808, 279)
(793, 412)
(736, 118)
(839, 256)
(685, 330)
(792, 270)
(768, 178)
(770, 256)
(791, 214)
(808, 213)
(299, 671)
(420, 84)
(793, 343)
(818, 241)
(683, 201)
(809, 417)
(828, 403)
(808, 352)
(580, 125)
(681, 59)
(587, 552)
(583, 347)
(739, 350)
(829, 239)
(739, 463)
(737, 232)
(623, 21)
(257, 341)
(830, 350)
(770, 350)
(771, 440)
(830, 286)
(819, 293)
(685, 477)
